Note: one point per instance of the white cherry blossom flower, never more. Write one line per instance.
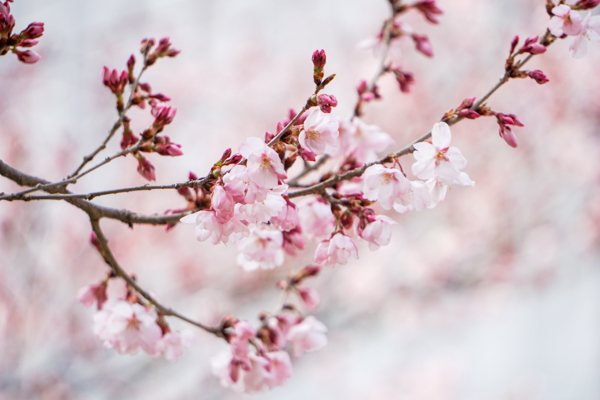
(319, 132)
(262, 249)
(337, 250)
(590, 30)
(307, 336)
(384, 185)
(439, 160)
(379, 232)
(264, 167)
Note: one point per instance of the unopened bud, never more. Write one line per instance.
(290, 161)
(319, 59)
(33, 31)
(326, 101)
(513, 44)
(538, 76)
(470, 114)
(423, 44)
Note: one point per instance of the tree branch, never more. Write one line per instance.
(164, 310)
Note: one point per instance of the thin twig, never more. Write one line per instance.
(116, 125)
(164, 310)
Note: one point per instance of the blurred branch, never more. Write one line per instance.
(131, 282)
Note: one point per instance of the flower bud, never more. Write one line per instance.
(470, 114)
(423, 44)
(586, 4)
(130, 66)
(319, 58)
(538, 76)
(467, 103)
(145, 168)
(513, 44)
(405, 80)
(429, 10)
(33, 31)
(28, 56)
(326, 101)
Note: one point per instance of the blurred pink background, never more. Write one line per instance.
(495, 294)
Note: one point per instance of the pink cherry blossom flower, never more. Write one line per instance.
(590, 30)
(90, 294)
(307, 336)
(565, 21)
(173, 344)
(417, 198)
(310, 297)
(264, 166)
(379, 232)
(293, 241)
(319, 131)
(265, 209)
(438, 159)
(209, 228)
(247, 378)
(222, 204)
(280, 368)
(287, 219)
(368, 141)
(317, 219)
(337, 250)
(127, 327)
(262, 249)
(384, 185)
(28, 56)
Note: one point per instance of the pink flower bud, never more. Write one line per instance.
(509, 137)
(405, 80)
(470, 114)
(513, 44)
(163, 116)
(310, 297)
(319, 58)
(423, 44)
(326, 101)
(429, 10)
(192, 176)
(587, 4)
(538, 76)
(160, 97)
(7, 23)
(467, 103)
(28, 43)
(33, 31)
(28, 56)
(146, 169)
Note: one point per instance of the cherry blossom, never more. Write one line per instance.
(565, 21)
(317, 218)
(384, 185)
(307, 336)
(264, 166)
(337, 250)
(287, 219)
(310, 297)
(270, 206)
(209, 228)
(418, 198)
(379, 232)
(127, 327)
(223, 204)
(262, 249)
(319, 132)
(173, 344)
(590, 30)
(367, 141)
(438, 159)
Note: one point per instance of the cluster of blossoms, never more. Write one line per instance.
(245, 200)
(16, 42)
(257, 360)
(140, 94)
(567, 21)
(127, 325)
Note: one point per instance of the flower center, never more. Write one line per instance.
(312, 134)
(133, 323)
(266, 163)
(386, 178)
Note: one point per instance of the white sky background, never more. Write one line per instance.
(397, 330)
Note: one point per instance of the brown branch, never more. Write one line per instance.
(95, 211)
(164, 310)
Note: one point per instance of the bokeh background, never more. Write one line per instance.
(495, 294)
